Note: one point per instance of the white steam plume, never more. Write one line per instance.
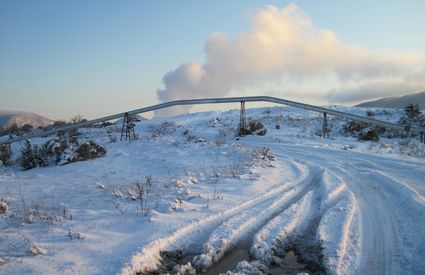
(285, 43)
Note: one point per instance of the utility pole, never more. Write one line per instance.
(242, 120)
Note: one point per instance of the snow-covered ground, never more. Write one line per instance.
(343, 206)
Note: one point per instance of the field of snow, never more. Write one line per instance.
(342, 206)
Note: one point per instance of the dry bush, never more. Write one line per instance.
(162, 129)
(43, 209)
(264, 155)
(3, 207)
(142, 191)
(254, 128)
(369, 135)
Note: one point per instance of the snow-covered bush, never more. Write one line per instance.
(354, 128)
(46, 155)
(58, 152)
(88, 150)
(41, 209)
(364, 131)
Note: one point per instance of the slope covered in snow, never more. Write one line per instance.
(341, 205)
(8, 118)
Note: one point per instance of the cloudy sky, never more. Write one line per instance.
(95, 58)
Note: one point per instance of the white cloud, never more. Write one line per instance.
(284, 43)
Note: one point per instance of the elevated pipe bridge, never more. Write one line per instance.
(242, 100)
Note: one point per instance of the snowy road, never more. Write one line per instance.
(390, 197)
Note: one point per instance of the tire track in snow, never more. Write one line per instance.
(227, 236)
(308, 221)
(149, 258)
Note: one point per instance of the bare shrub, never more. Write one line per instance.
(194, 139)
(141, 195)
(142, 192)
(112, 138)
(264, 155)
(411, 147)
(77, 119)
(165, 128)
(33, 249)
(42, 209)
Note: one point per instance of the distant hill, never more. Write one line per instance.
(397, 102)
(8, 118)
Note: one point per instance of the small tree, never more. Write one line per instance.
(28, 158)
(77, 119)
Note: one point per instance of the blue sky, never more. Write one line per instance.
(60, 58)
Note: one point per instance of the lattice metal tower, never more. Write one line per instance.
(325, 130)
(242, 121)
(127, 131)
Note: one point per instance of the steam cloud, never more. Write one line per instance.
(284, 44)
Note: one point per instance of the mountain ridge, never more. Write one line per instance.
(20, 118)
(396, 102)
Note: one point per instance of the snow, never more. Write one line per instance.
(210, 191)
